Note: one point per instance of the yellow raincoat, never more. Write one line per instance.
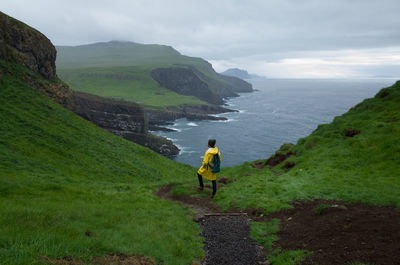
(205, 170)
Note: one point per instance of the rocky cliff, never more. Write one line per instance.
(125, 119)
(30, 48)
(157, 118)
(236, 84)
(26, 46)
(185, 82)
(188, 80)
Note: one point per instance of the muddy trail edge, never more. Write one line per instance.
(226, 235)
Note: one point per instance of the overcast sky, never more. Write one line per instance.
(281, 38)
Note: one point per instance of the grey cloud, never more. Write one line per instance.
(218, 30)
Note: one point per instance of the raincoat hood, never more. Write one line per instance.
(213, 151)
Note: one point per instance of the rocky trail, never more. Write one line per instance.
(226, 235)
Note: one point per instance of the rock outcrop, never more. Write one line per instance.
(28, 47)
(125, 119)
(185, 82)
(157, 118)
(236, 84)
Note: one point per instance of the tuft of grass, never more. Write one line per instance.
(320, 207)
(265, 232)
(289, 257)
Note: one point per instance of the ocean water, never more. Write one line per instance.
(280, 111)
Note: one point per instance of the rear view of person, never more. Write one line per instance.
(210, 166)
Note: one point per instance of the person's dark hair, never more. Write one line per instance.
(211, 142)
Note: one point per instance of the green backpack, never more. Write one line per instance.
(215, 164)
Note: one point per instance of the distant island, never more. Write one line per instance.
(240, 73)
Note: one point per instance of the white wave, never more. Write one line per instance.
(228, 120)
(192, 124)
(184, 150)
(174, 129)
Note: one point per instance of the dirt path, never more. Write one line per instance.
(226, 235)
(335, 232)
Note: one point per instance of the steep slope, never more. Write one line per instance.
(71, 189)
(354, 158)
(21, 44)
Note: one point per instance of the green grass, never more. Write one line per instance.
(61, 176)
(132, 83)
(76, 66)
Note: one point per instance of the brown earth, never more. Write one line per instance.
(275, 160)
(114, 258)
(351, 132)
(342, 234)
(335, 232)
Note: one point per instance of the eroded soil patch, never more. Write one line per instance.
(341, 234)
(114, 259)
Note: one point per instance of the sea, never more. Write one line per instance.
(279, 111)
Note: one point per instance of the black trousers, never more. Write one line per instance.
(214, 183)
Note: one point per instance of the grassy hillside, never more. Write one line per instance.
(69, 188)
(330, 165)
(356, 158)
(127, 83)
(116, 53)
(125, 67)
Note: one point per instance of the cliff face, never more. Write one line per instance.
(118, 117)
(190, 81)
(237, 84)
(158, 118)
(125, 119)
(185, 82)
(26, 46)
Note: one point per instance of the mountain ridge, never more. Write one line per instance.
(145, 58)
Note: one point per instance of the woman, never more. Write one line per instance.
(205, 169)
